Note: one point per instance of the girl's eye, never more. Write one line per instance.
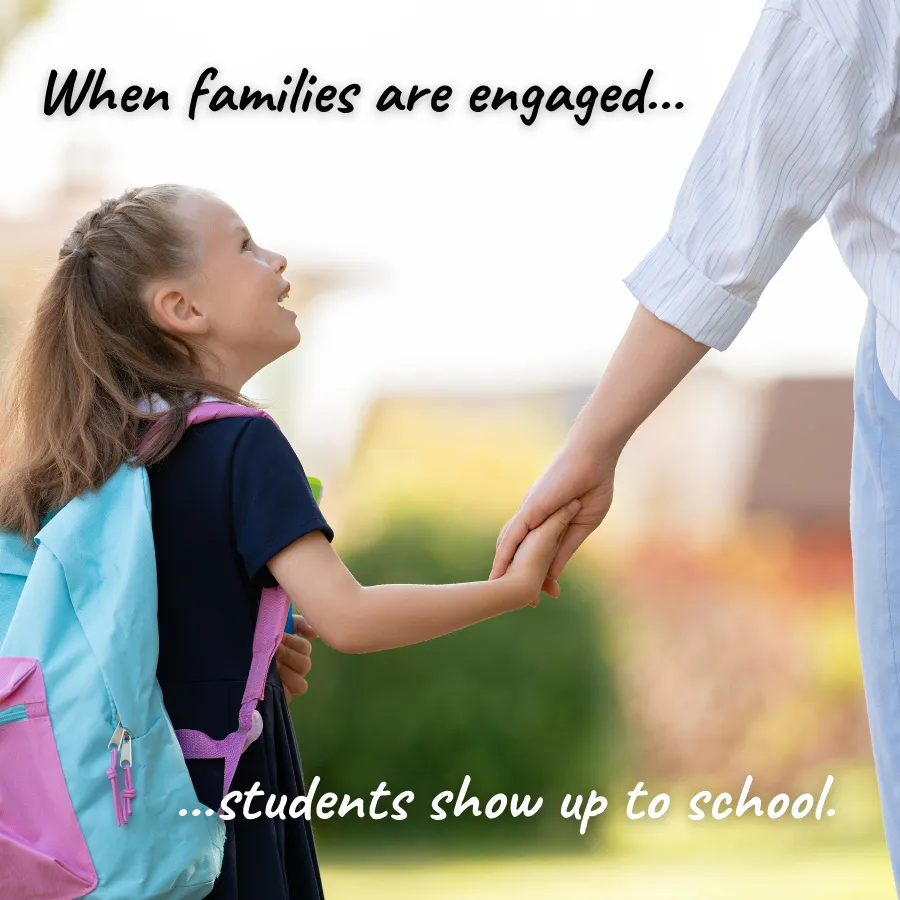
(246, 242)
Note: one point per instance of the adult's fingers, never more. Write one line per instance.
(550, 587)
(502, 534)
(511, 536)
(547, 538)
(571, 541)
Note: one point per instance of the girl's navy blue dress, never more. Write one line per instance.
(225, 501)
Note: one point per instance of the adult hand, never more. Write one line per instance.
(577, 473)
(651, 359)
(534, 555)
(292, 658)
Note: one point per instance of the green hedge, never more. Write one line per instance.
(523, 703)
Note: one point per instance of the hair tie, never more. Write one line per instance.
(79, 251)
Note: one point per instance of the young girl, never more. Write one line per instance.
(161, 298)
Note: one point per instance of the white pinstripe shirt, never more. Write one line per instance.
(806, 126)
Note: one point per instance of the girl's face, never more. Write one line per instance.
(232, 303)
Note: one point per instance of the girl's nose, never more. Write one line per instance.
(280, 263)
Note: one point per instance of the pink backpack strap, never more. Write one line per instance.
(273, 610)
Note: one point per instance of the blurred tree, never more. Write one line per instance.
(523, 703)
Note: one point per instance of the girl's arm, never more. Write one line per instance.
(356, 619)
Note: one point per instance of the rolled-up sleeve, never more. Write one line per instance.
(799, 118)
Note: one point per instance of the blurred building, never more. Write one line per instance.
(802, 464)
(717, 453)
(801, 475)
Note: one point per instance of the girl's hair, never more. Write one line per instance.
(92, 354)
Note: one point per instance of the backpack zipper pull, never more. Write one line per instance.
(125, 756)
(117, 736)
(115, 743)
(128, 793)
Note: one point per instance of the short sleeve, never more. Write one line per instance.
(799, 118)
(272, 502)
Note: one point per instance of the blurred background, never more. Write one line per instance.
(458, 283)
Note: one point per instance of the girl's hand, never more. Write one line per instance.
(292, 658)
(536, 552)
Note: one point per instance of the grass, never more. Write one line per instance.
(843, 857)
(858, 874)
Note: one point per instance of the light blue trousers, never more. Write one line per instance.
(875, 535)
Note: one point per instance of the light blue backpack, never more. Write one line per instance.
(93, 781)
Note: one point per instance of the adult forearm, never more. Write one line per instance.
(651, 359)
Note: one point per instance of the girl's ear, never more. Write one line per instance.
(174, 311)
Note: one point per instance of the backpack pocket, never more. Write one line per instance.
(43, 854)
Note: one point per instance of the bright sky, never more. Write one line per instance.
(500, 247)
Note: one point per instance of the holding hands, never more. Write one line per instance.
(575, 475)
(533, 555)
(565, 505)
(651, 359)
